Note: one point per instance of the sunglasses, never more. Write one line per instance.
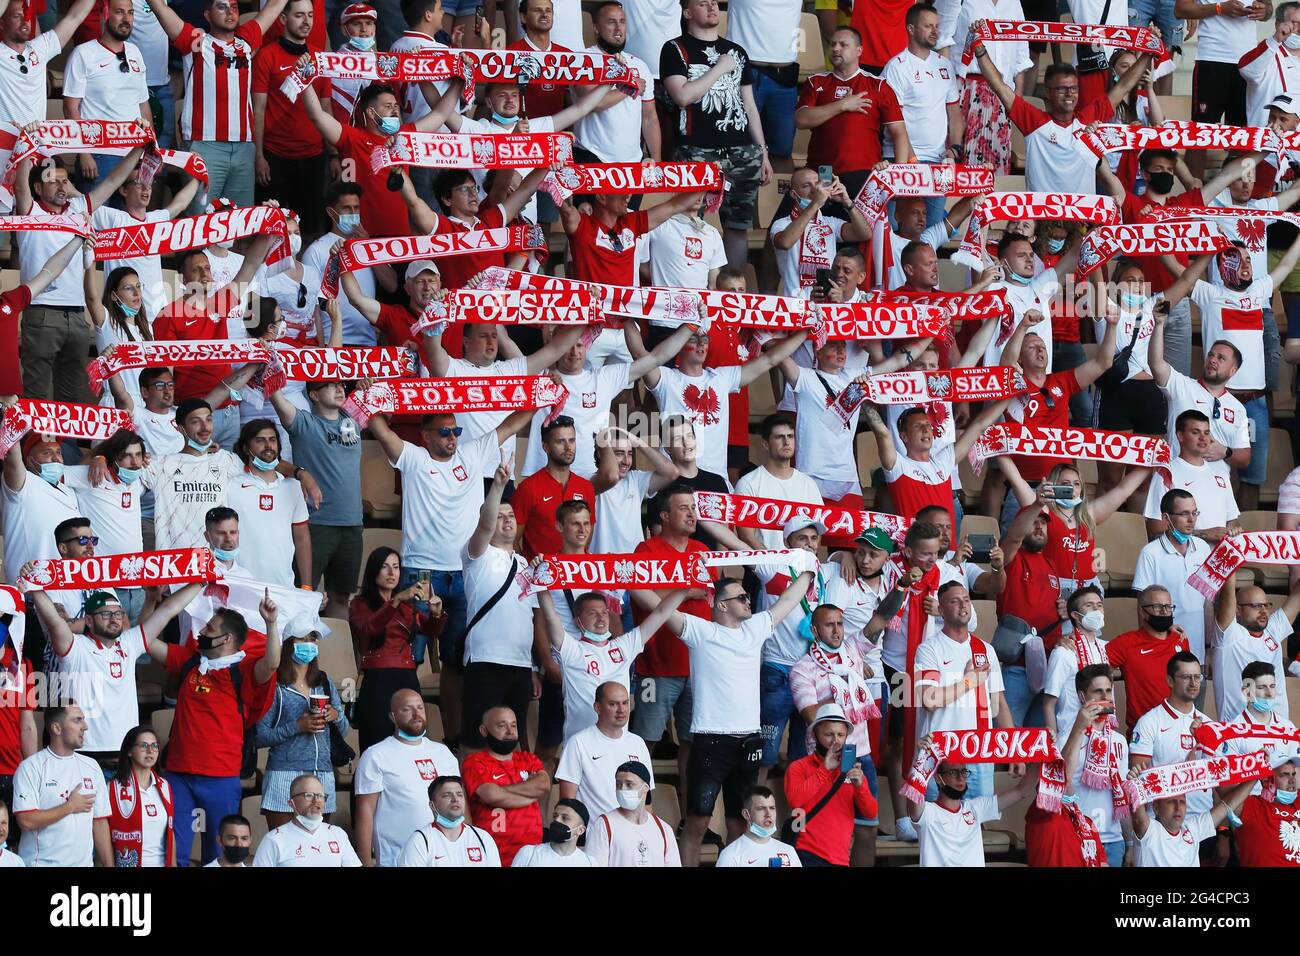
(615, 241)
(302, 296)
(83, 540)
(1215, 411)
(445, 432)
(122, 65)
(22, 63)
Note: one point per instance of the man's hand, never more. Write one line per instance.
(505, 470)
(855, 103)
(537, 685)
(311, 491)
(855, 777)
(1090, 713)
(963, 553)
(263, 170)
(996, 558)
(86, 166)
(931, 605)
(79, 802)
(1235, 8)
(267, 608)
(832, 759)
(976, 675)
(728, 62)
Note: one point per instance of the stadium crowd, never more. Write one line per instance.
(821, 426)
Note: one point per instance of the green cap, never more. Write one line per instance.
(877, 538)
(99, 600)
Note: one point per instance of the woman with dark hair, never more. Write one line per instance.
(297, 724)
(118, 314)
(384, 622)
(140, 805)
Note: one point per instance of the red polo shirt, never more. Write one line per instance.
(207, 735)
(535, 501)
(12, 705)
(383, 213)
(514, 828)
(288, 132)
(1142, 660)
(665, 655)
(182, 321)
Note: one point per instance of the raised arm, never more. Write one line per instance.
(661, 354)
(67, 26)
(171, 23)
(265, 668)
(114, 180)
(1103, 506)
(664, 612)
(550, 619)
(1129, 81)
(487, 515)
(550, 353)
(181, 201)
(1286, 264)
(387, 438)
(1111, 186)
(267, 16)
(1005, 94)
(1186, 281)
(163, 614)
(580, 108)
(363, 303)
(56, 628)
(441, 105)
(796, 591)
(884, 440)
(1225, 605)
(55, 266)
(768, 360)
(660, 213)
(322, 119)
(1096, 367)
(1160, 369)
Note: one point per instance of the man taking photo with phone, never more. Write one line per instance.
(804, 241)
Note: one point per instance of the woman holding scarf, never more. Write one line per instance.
(140, 805)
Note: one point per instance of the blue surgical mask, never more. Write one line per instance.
(1068, 503)
(1017, 278)
(52, 471)
(128, 310)
(827, 649)
(1132, 300)
(1292, 41)
(1179, 536)
(265, 465)
(449, 822)
(1284, 797)
(1069, 798)
(388, 125)
(1055, 245)
(402, 734)
(504, 120)
(224, 555)
(1264, 704)
(364, 44)
(763, 833)
(129, 476)
(349, 222)
(305, 653)
(802, 202)
(198, 447)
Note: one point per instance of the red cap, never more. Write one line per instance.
(358, 11)
(32, 439)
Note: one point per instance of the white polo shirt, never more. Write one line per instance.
(113, 508)
(1210, 484)
(43, 781)
(291, 845)
(589, 760)
(924, 88)
(1229, 428)
(22, 93)
(725, 662)
(1158, 563)
(441, 501)
(682, 251)
(1237, 647)
(30, 516)
(1159, 847)
(651, 24)
(749, 852)
(761, 483)
(591, 392)
(614, 135)
(93, 74)
(401, 773)
(428, 846)
(586, 665)
(1165, 736)
(504, 635)
(619, 529)
(543, 854)
(268, 513)
(158, 429)
(941, 661)
(36, 247)
(953, 837)
(101, 676)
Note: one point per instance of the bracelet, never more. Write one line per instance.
(967, 683)
(299, 470)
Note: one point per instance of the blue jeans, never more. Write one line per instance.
(230, 173)
(869, 771)
(978, 784)
(105, 163)
(1141, 13)
(776, 105)
(225, 426)
(1114, 853)
(215, 797)
(450, 586)
(1257, 412)
(776, 710)
(1272, 351)
(1015, 685)
(166, 132)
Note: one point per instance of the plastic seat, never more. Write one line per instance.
(378, 498)
(1119, 540)
(1121, 616)
(1280, 462)
(811, 57)
(986, 614)
(161, 721)
(336, 656)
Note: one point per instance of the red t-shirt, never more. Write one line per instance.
(1070, 550)
(1142, 660)
(598, 258)
(383, 213)
(1048, 407)
(458, 270)
(665, 655)
(12, 304)
(180, 320)
(1031, 593)
(883, 26)
(394, 323)
(510, 829)
(913, 488)
(12, 705)
(850, 141)
(1134, 210)
(535, 501)
(540, 99)
(288, 132)
(318, 39)
(207, 735)
(1259, 838)
(1050, 839)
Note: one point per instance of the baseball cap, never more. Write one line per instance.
(303, 625)
(358, 11)
(421, 265)
(100, 600)
(1283, 758)
(1285, 103)
(831, 711)
(798, 524)
(32, 439)
(877, 538)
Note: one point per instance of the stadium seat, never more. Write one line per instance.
(986, 614)
(9, 279)
(979, 524)
(1121, 615)
(336, 656)
(1293, 698)
(54, 109)
(251, 807)
(809, 44)
(762, 397)
(868, 455)
(769, 198)
(161, 721)
(378, 499)
(1271, 577)
(1281, 461)
(1119, 539)
(1176, 107)
(666, 805)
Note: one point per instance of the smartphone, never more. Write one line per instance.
(981, 546)
(1062, 491)
(825, 174)
(848, 757)
(823, 281)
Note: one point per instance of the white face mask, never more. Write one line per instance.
(1292, 41)
(310, 822)
(629, 799)
(1093, 621)
(295, 243)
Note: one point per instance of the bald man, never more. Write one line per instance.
(1246, 629)
(392, 782)
(505, 785)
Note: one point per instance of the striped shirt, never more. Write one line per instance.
(218, 79)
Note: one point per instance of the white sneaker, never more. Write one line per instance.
(904, 830)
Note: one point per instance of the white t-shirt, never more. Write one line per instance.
(650, 24)
(1062, 666)
(724, 673)
(150, 38)
(357, 329)
(157, 294)
(185, 487)
(478, 424)
(702, 399)
(429, 846)
(587, 665)
(1037, 295)
(291, 845)
(590, 759)
(36, 247)
(934, 237)
(1056, 159)
(400, 773)
(1165, 736)
(941, 661)
(1159, 563)
(1159, 847)
(543, 854)
(619, 529)
(591, 392)
(682, 251)
(1236, 317)
(924, 89)
(823, 442)
(1238, 647)
(441, 501)
(761, 483)
(489, 127)
(153, 825)
(504, 635)
(954, 837)
(1230, 428)
(158, 429)
(1096, 802)
(30, 516)
(43, 781)
(820, 239)
(747, 851)
(101, 679)
(1210, 484)
(614, 840)
(1144, 322)
(767, 29)
(93, 75)
(614, 135)
(895, 642)
(22, 84)
(268, 513)
(1091, 11)
(1223, 39)
(113, 509)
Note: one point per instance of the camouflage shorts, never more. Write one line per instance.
(743, 168)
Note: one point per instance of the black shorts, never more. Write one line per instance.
(1136, 406)
(1218, 93)
(721, 762)
(1045, 11)
(489, 685)
(550, 715)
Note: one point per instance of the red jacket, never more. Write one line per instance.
(382, 638)
(829, 834)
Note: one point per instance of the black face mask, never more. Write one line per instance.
(952, 793)
(613, 49)
(501, 746)
(1160, 622)
(1162, 183)
(234, 854)
(821, 751)
(207, 643)
(558, 832)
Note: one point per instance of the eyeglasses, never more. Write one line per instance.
(122, 65)
(1257, 606)
(1184, 514)
(22, 63)
(1160, 608)
(445, 432)
(112, 615)
(469, 189)
(1063, 89)
(963, 774)
(144, 746)
(1190, 678)
(84, 540)
(314, 797)
(163, 386)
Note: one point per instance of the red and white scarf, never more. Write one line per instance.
(785, 560)
(364, 253)
(848, 687)
(1252, 547)
(1174, 779)
(980, 383)
(920, 179)
(192, 163)
(473, 150)
(863, 321)
(126, 821)
(1013, 207)
(321, 363)
(63, 222)
(748, 511)
(566, 307)
(961, 306)
(51, 137)
(602, 572)
(633, 179)
(1211, 734)
(997, 745)
(1178, 134)
(1148, 239)
(414, 67)
(1088, 444)
(566, 68)
(145, 568)
(428, 396)
(194, 232)
(816, 245)
(1089, 839)
(1088, 650)
(1137, 39)
(93, 423)
(1175, 213)
(1101, 769)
